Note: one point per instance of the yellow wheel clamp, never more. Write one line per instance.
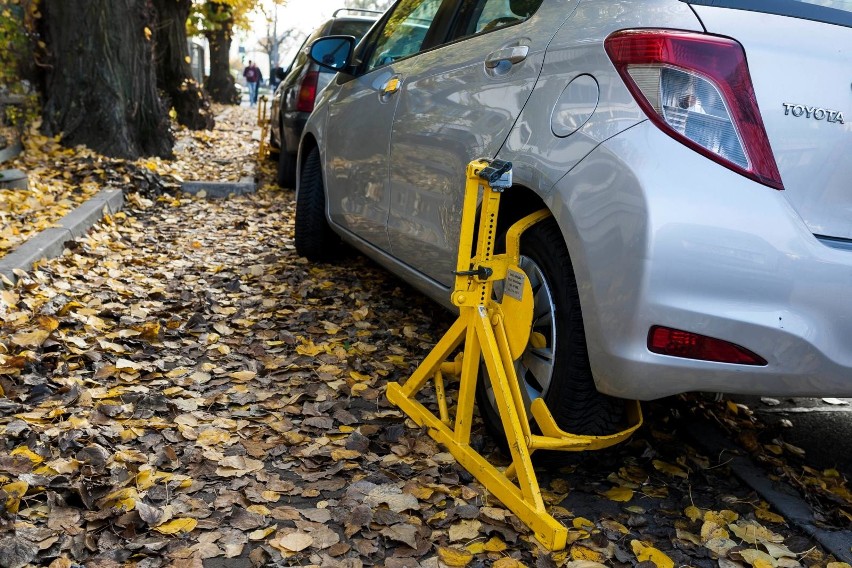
(496, 332)
(263, 122)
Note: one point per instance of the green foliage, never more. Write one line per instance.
(210, 15)
(16, 23)
(13, 38)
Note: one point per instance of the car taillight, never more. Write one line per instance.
(697, 89)
(678, 343)
(307, 92)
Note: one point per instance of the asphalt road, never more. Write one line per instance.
(821, 427)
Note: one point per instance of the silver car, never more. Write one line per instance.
(696, 157)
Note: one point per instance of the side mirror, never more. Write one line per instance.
(280, 73)
(333, 52)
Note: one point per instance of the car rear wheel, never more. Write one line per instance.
(555, 364)
(286, 169)
(314, 238)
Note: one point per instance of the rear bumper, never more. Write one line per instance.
(660, 235)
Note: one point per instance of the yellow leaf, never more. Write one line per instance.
(147, 32)
(494, 544)
(308, 348)
(15, 492)
(360, 377)
(243, 375)
(272, 496)
(644, 552)
(669, 469)
(583, 523)
(757, 558)
(292, 542)
(579, 552)
(507, 562)
(78, 422)
(621, 494)
(454, 557)
(25, 451)
(145, 479)
(127, 364)
(30, 338)
(177, 526)
(259, 509)
(838, 564)
(261, 534)
(149, 331)
(753, 533)
(768, 516)
(188, 59)
(47, 323)
(693, 513)
(614, 526)
(774, 448)
(342, 454)
(124, 499)
(713, 530)
(212, 437)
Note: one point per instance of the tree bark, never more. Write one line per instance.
(174, 75)
(220, 83)
(101, 86)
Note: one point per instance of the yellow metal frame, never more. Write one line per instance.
(263, 117)
(495, 332)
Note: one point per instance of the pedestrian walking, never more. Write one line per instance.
(253, 78)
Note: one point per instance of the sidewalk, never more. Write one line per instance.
(36, 223)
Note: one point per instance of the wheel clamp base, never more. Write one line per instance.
(495, 332)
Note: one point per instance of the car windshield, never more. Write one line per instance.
(828, 11)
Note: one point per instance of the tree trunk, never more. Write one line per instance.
(220, 83)
(101, 86)
(174, 75)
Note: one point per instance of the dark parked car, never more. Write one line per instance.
(294, 98)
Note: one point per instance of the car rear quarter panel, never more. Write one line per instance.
(540, 158)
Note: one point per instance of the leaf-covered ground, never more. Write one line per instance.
(61, 178)
(181, 389)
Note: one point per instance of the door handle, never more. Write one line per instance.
(512, 55)
(391, 86)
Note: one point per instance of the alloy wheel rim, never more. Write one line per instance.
(534, 367)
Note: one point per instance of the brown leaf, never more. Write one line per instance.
(402, 532)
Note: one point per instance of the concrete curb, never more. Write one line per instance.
(781, 496)
(218, 190)
(11, 152)
(13, 179)
(50, 243)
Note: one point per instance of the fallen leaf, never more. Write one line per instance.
(646, 552)
(619, 494)
(177, 526)
(454, 557)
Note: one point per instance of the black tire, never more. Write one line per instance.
(571, 396)
(286, 169)
(314, 238)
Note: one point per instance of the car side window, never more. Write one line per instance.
(482, 16)
(403, 32)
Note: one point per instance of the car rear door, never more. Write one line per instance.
(360, 119)
(459, 102)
